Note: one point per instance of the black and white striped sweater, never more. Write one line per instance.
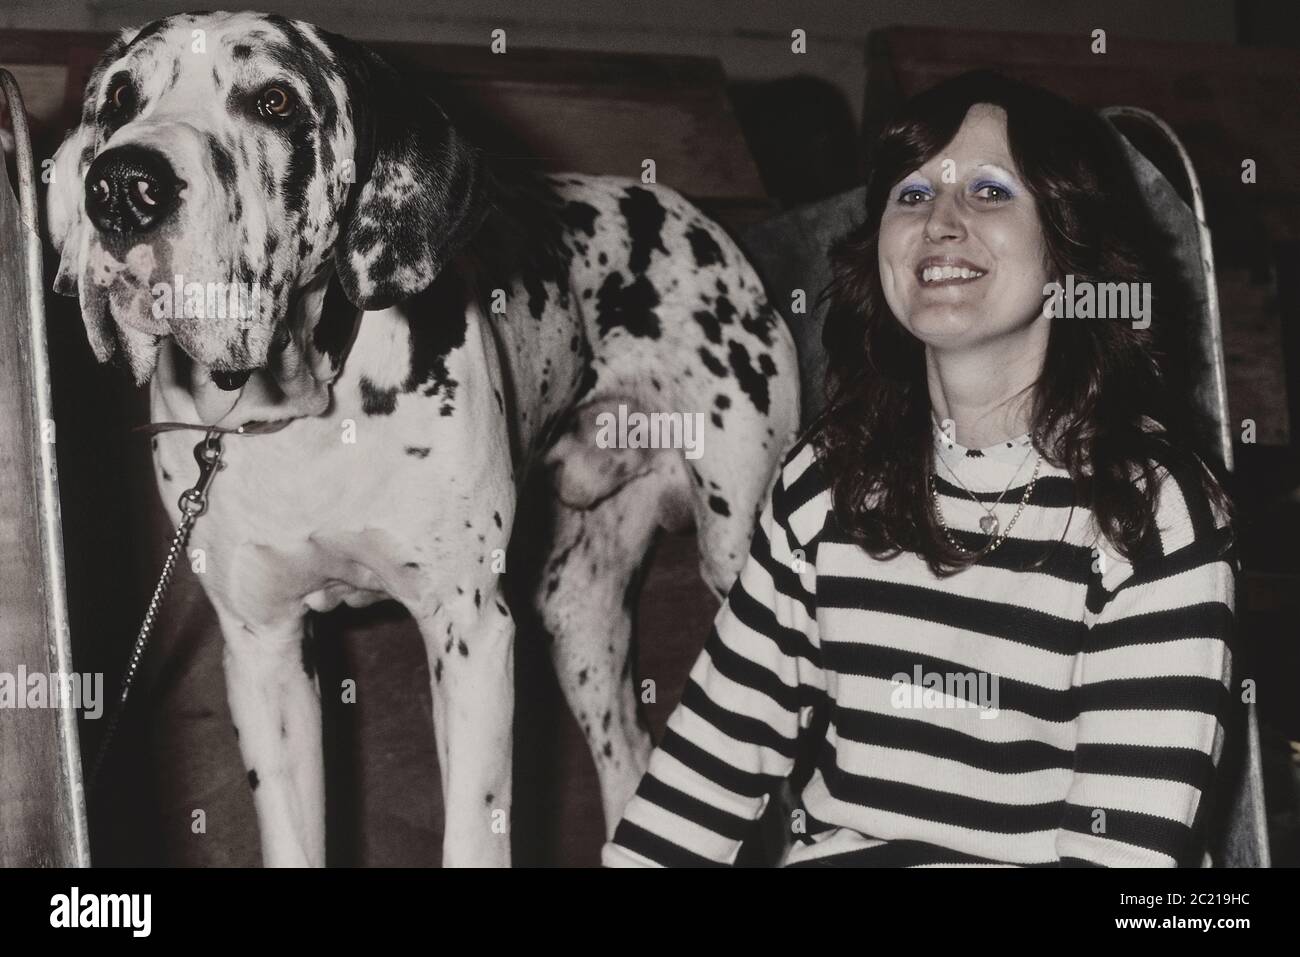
(1071, 714)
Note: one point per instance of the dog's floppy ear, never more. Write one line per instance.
(65, 209)
(420, 189)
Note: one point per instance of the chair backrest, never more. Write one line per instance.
(790, 251)
(1238, 829)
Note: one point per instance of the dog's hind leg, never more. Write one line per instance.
(585, 598)
(275, 705)
(469, 641)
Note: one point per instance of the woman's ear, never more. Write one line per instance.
(420, 192)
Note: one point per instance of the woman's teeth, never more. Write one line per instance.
(940, 273)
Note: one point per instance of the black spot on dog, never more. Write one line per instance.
(604, 721)
(375, 401)
(608, 750)
(502, 608)
(712, 363)
(603, 259)
(496, 517)
(303, 165)
(578, 215)
(437, 670)
(478, 598)
(726, 311)
(582, 676)
(752, 382)
(537, 295)
(719, 505)
(252, 780)
(722, 401)
(717, 420)
(241, 51)
(410, 564)
(705, 247)
(437, 323)
(645, 223)
(463, 649)
(337, 324)
(631, 308)
(165, 474)
(487, 798)
(760, 324)
(153, 29)
(709, 323)
(419, 451)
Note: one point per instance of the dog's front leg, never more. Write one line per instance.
(275, 705)
(470, 645)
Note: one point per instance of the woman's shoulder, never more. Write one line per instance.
(801, 497)
(1185, 512)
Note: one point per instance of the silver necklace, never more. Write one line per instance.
(988, 524)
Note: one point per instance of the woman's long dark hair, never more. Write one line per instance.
(1101, 394)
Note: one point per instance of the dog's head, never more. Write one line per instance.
(224, 164)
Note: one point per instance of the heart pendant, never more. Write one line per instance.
(989, 524)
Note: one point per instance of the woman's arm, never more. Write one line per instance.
(733, 737)
(1152, 688)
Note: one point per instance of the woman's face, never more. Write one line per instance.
(963, 261)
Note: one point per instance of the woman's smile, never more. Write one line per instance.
(942, 271)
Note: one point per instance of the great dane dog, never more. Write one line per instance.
(434, 333)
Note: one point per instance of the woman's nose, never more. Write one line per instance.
(945, 220)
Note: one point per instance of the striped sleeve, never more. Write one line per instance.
(1151, 691)
(734, 736)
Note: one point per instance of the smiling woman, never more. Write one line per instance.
(986, 613)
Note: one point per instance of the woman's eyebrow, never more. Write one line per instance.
(997, 168)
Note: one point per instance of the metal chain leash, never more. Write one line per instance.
(193, 503)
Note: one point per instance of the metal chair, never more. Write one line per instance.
(42, 806)
(790, 250)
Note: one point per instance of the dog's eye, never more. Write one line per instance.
(276, 102)
(121, 96)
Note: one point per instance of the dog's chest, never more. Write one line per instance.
(340, 509)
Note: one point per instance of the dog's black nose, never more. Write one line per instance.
(130, 189)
